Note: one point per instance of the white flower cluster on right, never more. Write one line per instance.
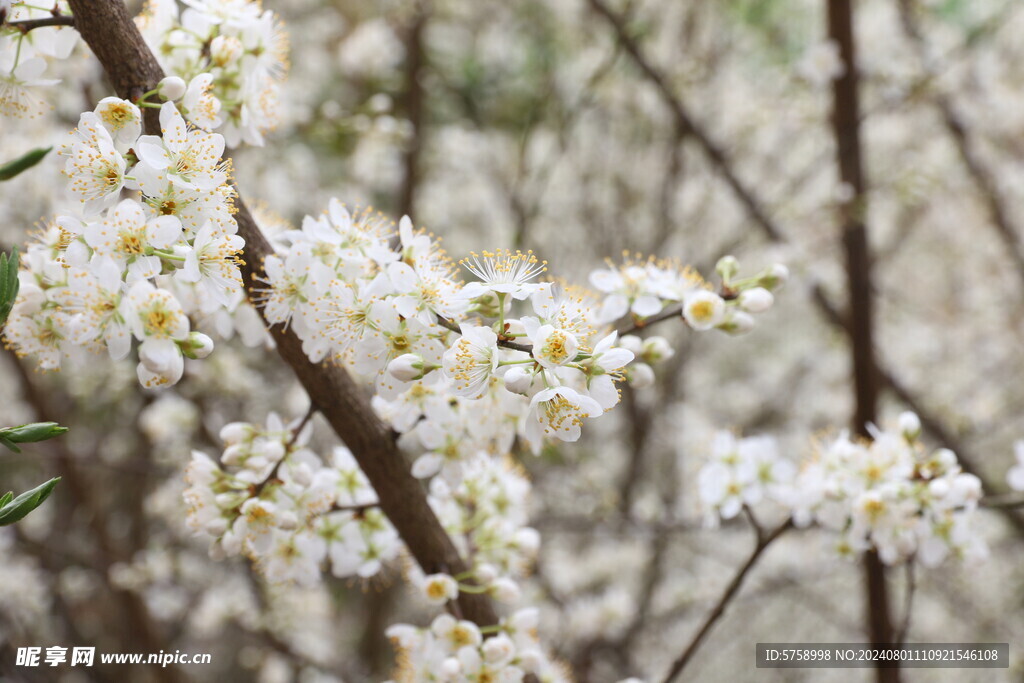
(889, 494)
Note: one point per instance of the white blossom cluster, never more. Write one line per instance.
(133, 268)
(456, 651)
(390, 314)
(224, 60)
(643, 289)
(889, 494)
(271, 498)
(486, 515)
(23, 58)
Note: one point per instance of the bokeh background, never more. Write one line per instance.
(531, 125)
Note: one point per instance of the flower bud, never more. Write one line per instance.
(775, 277)
(288, 521)
(528, 540)
(738, 323)
(518, 380)
(727, 267)
(236, 432)
(939, 488)
(640, 375)
(172, 88)
(451, 667)
(216, 526)
(198, 345)
(910, 425)
(633, 343)
(655, 350)
(756, 300)
(407, 367)
(486, 573)
(505, 590)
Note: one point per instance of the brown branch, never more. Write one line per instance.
(27, 25)
(686, 124)
(846, 129)
(131, 67)
(763, 541)
(414, 97)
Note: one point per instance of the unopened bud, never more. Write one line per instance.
(407, 367)
(172, 88)
(727, 267)
(756, 300)
(198, 345)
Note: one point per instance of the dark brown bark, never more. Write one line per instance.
(413, 101)
(846, 128)
(109, 31)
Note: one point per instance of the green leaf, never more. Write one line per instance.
(16, 509)
(7, 444)
(8, 283)
(13, 168)
(30, 433)
(6, 498)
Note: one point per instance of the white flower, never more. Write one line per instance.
(94, 167)
(628, 290)
(558, 412)
(121, 118)
(703, 309)
(202, 107)
(471, 360)
(440, 588)
(16, 96)
(551, 347)
(159, 322)
(603, 369)
(191, 159)
(213, 263)
(129, 238)
(503, 272)
(455, 634)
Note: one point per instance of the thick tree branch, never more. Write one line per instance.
(846, 129)
(108, 29)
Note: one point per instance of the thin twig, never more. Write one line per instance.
(27, 25)
(764, 540)
(908, 604)
(296, 431)
(686, 124)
